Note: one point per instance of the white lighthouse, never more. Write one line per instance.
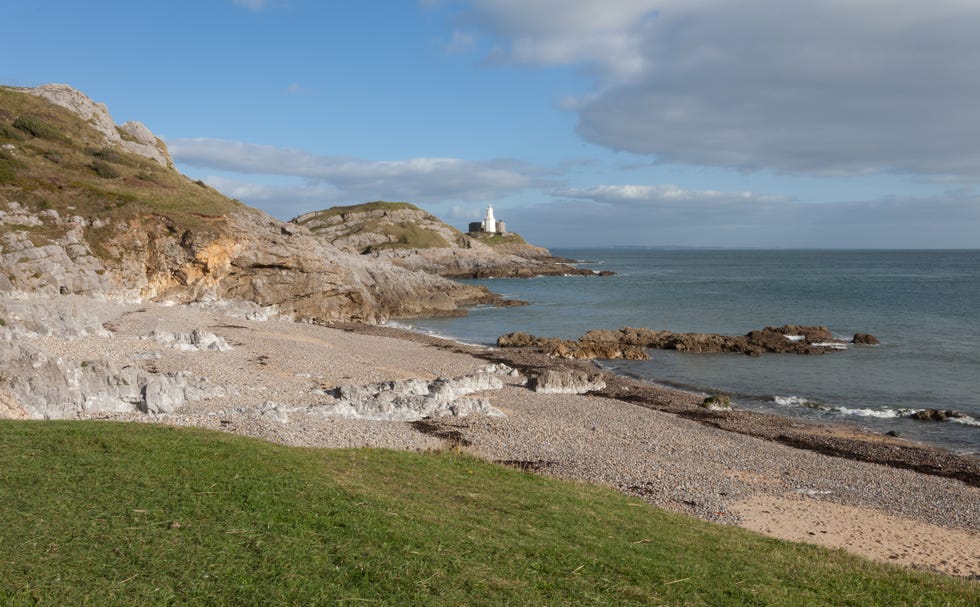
(489, 223)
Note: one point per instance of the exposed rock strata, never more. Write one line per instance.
(629, 343)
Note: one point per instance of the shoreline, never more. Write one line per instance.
(833, 439)
(278, 379)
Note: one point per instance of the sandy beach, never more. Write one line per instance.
(277, 379)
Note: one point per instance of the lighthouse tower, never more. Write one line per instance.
(489, 223)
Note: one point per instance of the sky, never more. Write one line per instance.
(680, 123)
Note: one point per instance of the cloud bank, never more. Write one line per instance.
(831, 87)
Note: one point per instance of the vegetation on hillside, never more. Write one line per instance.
(496, 240)
(398, 232)
(377, 205)
(103, 513)
(51, 159)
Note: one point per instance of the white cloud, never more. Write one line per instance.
(831, 87)
(556, 32)
(282, 201)
(421, 180)
(652, 194)
(252, 5)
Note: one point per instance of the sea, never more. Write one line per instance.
(924, 307)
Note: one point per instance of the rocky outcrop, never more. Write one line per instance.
(564, 381)
(45, 387)
(132, 136)
(630, 342)
(415, 399)
(572, 349)
(198, 340)
(408, 237)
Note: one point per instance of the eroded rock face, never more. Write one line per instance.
(630, 342)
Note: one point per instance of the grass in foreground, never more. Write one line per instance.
(101, 513)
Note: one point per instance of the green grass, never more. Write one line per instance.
(503, 239)
(102, 513)
(359, 208)
(400, 234)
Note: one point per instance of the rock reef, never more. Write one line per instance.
(630, 343)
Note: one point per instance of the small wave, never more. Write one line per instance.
(798, 401)
(966, 421)
(831, 344)
(879, 413)
(794, 338)
(394, 324)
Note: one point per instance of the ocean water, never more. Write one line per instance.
(924, 306)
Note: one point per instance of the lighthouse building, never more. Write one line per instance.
(489, 225)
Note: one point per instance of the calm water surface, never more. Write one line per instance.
(922, 305)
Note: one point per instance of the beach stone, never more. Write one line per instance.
(162, 395)
(554, 381)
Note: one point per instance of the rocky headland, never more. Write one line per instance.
(406, 236)
(91, 208)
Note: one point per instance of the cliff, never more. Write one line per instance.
(91, 208)
(408, 237)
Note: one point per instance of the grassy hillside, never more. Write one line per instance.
(51, 159)
(400, 226)
(100, 513)
(377, 205)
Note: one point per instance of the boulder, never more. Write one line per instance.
(559, 381)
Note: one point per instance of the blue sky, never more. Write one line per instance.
(758, 123)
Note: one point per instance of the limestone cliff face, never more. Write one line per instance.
(89, 208)
(408, 237)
